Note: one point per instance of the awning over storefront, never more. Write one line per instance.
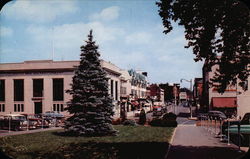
(224, 102)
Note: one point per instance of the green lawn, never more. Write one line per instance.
(131, 142)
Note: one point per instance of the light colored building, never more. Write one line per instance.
(125, 90)
(243, 99)
(226, 102)
(138, 87)
(39, 86)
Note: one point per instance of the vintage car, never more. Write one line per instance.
(36, 121)
(13, 122)
(54, 118)
(53, 114)
(158, 111)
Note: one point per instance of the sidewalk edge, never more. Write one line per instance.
(170, 143)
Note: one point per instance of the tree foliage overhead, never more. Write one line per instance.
(218, 31)
(91, 106)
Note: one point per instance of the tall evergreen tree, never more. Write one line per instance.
(91, 106)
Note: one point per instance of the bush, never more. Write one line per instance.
(129, 122)
(168, 120)
(142, 117)
(169, 123)
(169, 116)
(155, 122)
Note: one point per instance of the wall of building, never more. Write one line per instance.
(243, 100)
(47, 101)
(212, 92)
(47, 70)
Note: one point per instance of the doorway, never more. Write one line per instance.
(38, 107)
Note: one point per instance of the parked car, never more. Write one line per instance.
(53, 114)
(36, 121)
(233, 129)
(216, 115)
(53, 118)
(137, 112)
(244, 121)
(185, 104)
(157, 111)
(202, 116)
(13, 122)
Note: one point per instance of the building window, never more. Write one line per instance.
(18, 108)
(2, 90)
(123, 91)
(58, 91)
(19, 90)
(2, 107)
(58, 107)
(37, 87)
(112, 88)
(116, 90)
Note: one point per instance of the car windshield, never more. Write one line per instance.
(18, 117)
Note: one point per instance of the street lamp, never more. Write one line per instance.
(190, 81)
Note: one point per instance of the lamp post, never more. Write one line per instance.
(190, 81)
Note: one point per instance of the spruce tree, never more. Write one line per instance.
(91, 106)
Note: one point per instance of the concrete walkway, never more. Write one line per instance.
(194, 142)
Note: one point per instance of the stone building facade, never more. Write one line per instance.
(34, 87)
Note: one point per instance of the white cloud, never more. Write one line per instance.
(5, 31)
(69, 37)
(138, 38)
(39, 11)
(106, 14)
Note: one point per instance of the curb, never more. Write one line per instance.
(170, 143)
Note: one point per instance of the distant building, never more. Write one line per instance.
(35, 87)
(156, 93)
(171, 92)
(138, 88)
(183, 96)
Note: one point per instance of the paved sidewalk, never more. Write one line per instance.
(194, 142)
(27, 132)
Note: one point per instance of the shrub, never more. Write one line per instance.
(142, 117)
(168, 123)
(168, 120)
(169, 116)
(129, 122)
(155, 122)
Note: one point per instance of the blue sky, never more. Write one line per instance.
(128, 32)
